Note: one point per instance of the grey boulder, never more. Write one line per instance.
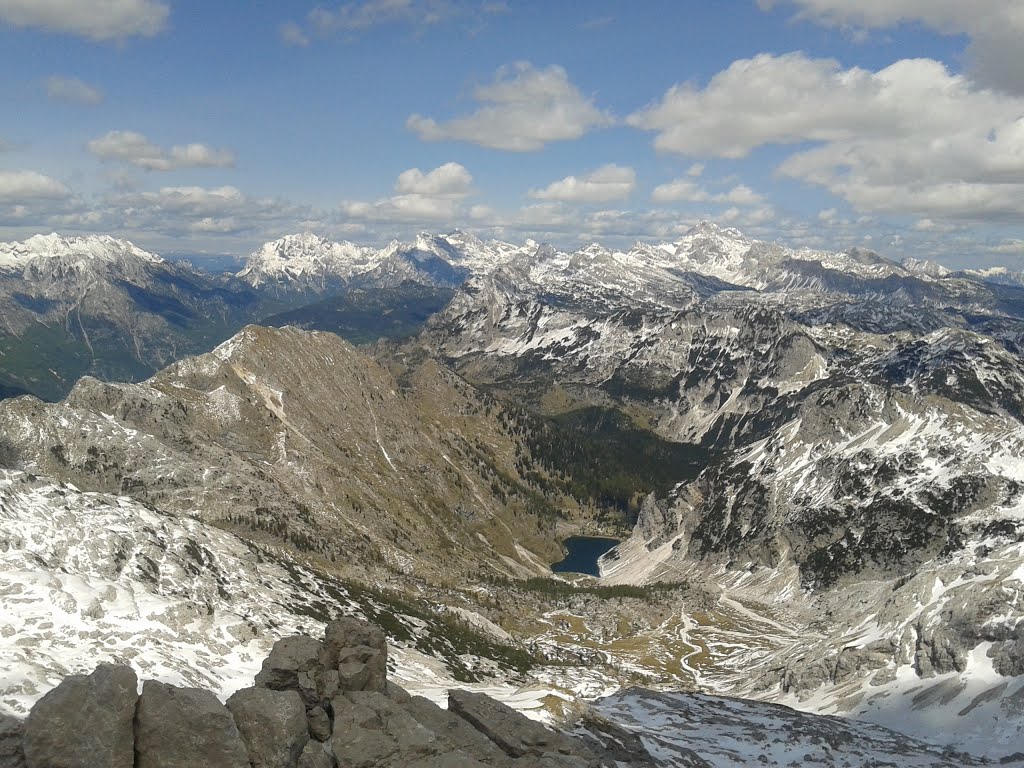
(185, 728)
(84, 722)
(272, 724)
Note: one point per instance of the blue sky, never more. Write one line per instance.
(210, 127)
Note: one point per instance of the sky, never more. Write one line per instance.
(197, 127)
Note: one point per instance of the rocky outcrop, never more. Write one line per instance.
(315, 704)
(85, 721)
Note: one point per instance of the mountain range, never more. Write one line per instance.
(814, 459)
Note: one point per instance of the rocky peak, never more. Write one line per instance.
(41, 254)
(307, 259)
(924, 267)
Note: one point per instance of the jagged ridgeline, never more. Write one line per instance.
(103, 307)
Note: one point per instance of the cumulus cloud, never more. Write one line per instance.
(524, 109)
(98, 20)
(746, 218)
(73, 91)
(741, 194)
(28, 198)
(30, 185)
(433, 196)
(679, 190)
(607, 183)
(994, 27)
(450, 179)
(782, 100)
(135, 149)
(911, 138)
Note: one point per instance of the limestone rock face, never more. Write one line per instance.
(272, 725)
(85, 721)
(185, 728)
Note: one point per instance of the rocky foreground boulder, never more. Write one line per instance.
(315, 704)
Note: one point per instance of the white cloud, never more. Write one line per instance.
(135, 149)
(210, 225)
(686, 190)
(741, 194)
(448, 179)
(482, 213)
(1013, 247)
(609, 182)
(746, 218)
(521, 111)
(200, 201)
(679, 190)
(200, 156)
(777, 100)
(201, 210)
(292, 34)
(911, 138)
(695, 170)
(433, 196)
(93, 19)
(73, 91)
(18, 186)
(994, 27)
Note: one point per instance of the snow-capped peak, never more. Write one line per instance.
(307, 256)
(76, 252)
(924, 267)
(706, 228)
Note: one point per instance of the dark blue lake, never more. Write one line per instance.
(583, 554)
